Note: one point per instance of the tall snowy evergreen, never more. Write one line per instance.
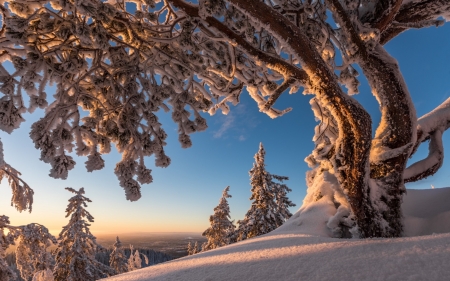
(222, 230)
(118, 260)
(75, 254)
(269, 207)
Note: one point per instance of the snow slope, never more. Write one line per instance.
(287, 254)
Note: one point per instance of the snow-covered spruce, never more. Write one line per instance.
(194, 248)
(75, 253)
(6, 239)
(135, 261)
(222, 230)
(116, 72)
(33, 258)
(118, 260)
(269, 208)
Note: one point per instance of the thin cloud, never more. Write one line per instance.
(226, 125)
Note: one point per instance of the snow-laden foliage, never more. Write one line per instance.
(135, 261)
(194, 248)
(222, 230)
(116, 68)
(6, 239)
(75, 253)
(117, 259)
(269, 208)
(33, 258)
(43, 275)
(22, 194)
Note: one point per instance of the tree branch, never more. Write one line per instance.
(272, 62)
(415, 12)
(277, 93)
(430, 127)
(431, 164)
(343, 19)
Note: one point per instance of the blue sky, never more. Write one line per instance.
(182, 196)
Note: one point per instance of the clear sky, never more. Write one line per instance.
(182, 196)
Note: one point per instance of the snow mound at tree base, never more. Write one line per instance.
(284, 255)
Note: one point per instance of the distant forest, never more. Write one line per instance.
(154, 257)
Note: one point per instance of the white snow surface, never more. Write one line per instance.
(299, 250)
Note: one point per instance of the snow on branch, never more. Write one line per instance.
(417, 14)
(22, 194)
(430, 127)
(420, 24)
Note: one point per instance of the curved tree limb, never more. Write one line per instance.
(431, 164)
(430, 127)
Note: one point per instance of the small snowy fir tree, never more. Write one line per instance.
(222, 230)
(189, 248)
(6, 273)
(32, 256)
(264, 214)
(193, 249)
(118, 260)
(135, 261)
(75, 254)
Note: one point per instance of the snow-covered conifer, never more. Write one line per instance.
(269, 207)
(6, 273)
(32, 255)
(118, 260)
(189, 248)
(135, 261)
(222, 230)
(280, 189)
(75, 254)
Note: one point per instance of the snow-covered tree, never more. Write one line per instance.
(269, 207)
(22, 194)
(222, 230)
(189, 248)
(135, 261)
(282, 202)
(121, 67)
(194, 249)
(118, 260)
(32, 255)
(6, 239)
(31, 243)
(75, 254)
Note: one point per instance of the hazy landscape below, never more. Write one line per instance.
(171, 243)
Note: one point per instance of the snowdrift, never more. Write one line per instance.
(297, 251)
